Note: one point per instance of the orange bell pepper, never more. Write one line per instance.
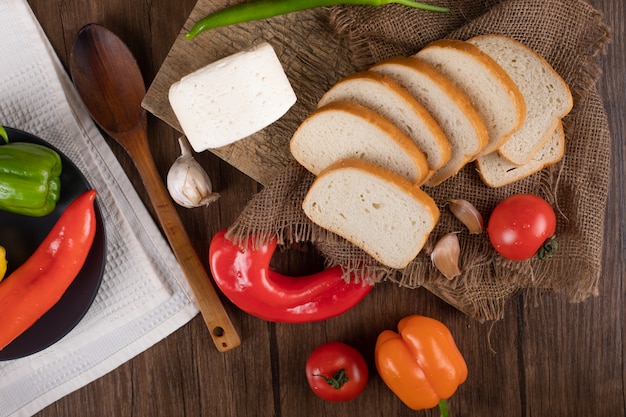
(421, 363)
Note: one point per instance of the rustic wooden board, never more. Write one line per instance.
(313, 59)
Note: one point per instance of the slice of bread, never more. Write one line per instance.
(495, 171)
(382, 213)
(492, 92)
(383, 95)
(345, 129)
(547, 96)
(450, 107)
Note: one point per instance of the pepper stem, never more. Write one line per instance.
(419, 5)
(337, 380)
(443, 408)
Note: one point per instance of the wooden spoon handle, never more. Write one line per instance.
(211, 308)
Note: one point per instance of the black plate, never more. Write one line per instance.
(21, 235)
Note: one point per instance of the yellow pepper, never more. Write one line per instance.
(3, 262)
(421, 363)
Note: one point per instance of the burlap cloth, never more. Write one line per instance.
(569, 34)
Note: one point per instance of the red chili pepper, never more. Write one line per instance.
(38, 284)
(245, 277)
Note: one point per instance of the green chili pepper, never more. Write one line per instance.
(263, 9)
(30, 181)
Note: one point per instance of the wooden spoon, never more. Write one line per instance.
(109, 81)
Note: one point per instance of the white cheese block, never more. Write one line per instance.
(232, 98)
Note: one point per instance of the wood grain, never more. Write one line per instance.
(263, 155)
(546, 358)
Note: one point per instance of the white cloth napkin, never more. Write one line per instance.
(144, 296)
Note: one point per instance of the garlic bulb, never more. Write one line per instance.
(467, 214)
(187, 182)
(446, 254)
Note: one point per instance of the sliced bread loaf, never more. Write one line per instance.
(490, 89)
(345, 129)
(450, 107)
(547, 96)
(380, 212)
(383, 95)
(496, 171)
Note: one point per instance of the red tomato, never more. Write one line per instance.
(520, 225)
(336, 372)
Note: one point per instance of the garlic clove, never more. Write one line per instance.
(445, 255)
(187, 182)
(467, 214)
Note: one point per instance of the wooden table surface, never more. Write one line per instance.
(554, 359)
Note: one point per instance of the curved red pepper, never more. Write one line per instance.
(38, 284)
(245, 277)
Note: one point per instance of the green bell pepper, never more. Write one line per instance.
(3, 134)
(30, 182)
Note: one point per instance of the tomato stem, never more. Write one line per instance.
(443, 408)
(548, 248)
(337, 380)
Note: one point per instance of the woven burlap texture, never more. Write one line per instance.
(569, 34)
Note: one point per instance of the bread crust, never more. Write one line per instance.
(552, 75)
(440, 138)
(392, 178)
(447, 87)
(461, 101)
(505, 176)
(376, 120)
(422, 200)
(497, 72)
